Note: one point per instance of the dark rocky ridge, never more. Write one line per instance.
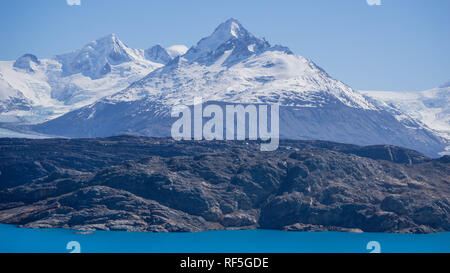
(153, 184)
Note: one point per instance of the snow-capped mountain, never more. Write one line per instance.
(431, 107)
(33, 90)
(233, 66)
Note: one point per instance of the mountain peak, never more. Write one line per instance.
(230, 29)
(157, 54)
(96, 58)
(229, 38)
(27, 62)
(233, 27)
(107, 45)
(110, 39)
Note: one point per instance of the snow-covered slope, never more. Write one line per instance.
(431, 107)
(233, 66)
(33, 90)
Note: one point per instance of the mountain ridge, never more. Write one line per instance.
(233, 66)
(36, 90)
(107, 88)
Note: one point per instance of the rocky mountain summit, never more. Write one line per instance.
(162, 185)
(27, 62)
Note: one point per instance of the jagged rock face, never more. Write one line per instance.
(157, 54)
(149, 184)
(27, 62)
(15, 103)
(229, 37)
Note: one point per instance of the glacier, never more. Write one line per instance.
(430, 107)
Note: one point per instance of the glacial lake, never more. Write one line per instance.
(19, 240)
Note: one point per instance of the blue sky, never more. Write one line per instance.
(400, 45)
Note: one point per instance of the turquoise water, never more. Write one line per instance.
(16, 240)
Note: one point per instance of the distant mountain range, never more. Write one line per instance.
(34, 90)
(108, 89)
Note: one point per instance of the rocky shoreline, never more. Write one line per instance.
(161, 185)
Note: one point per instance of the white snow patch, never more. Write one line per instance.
(176, 50)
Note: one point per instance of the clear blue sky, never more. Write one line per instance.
(400, 45)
